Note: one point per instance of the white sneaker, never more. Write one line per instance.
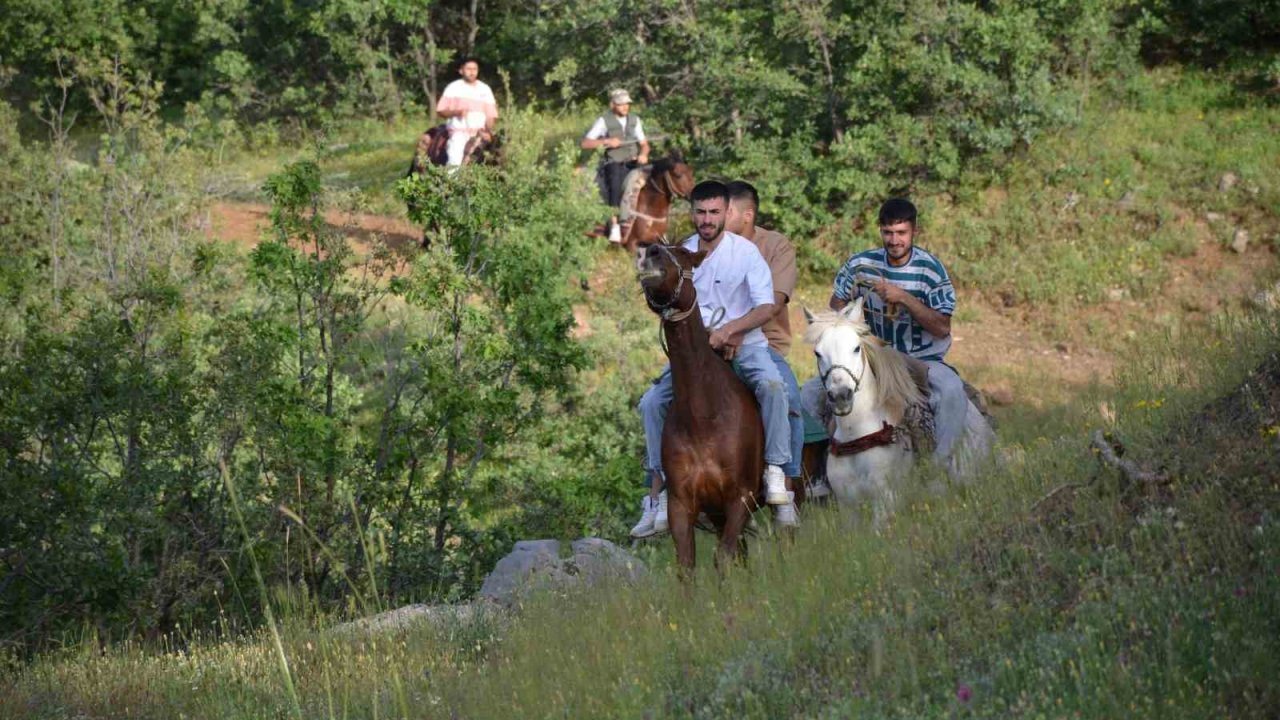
(615, 233)
(818, 488)
(786, 516)
(660, 514)
(644, 528)
(775, 482)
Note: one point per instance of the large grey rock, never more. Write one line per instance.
(536, 564)
(404, 617)
(596, 560)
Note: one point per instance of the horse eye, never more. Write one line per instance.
(857, 349)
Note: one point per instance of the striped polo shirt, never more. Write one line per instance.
(923, 276)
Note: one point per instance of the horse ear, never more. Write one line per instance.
(852, 311)
(698, 257)
(808, 315)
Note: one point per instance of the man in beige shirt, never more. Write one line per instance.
(744, 205)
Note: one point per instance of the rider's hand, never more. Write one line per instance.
(642, 159)
(725, 342)
(889, 292)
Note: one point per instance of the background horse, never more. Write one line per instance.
(645, 212)
(484, 148)
(869, 390)
(713, 439)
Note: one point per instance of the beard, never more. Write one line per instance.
(710, 231)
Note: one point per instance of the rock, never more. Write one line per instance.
(1227, 181)
(1117, 294)
(1213, 217)
(1267, 299)
(531, 563)
(597, 560)
(537, 565)
(404, 617)
(1240, 240)
(1126, 201)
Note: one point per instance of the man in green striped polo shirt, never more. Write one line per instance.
(909, 305)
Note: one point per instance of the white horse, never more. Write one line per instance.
(866, 389)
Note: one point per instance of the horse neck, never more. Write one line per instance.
(868, 414)
(699, 376)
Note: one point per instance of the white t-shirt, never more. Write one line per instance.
(475, 100)
(599, 130)
(734, 277)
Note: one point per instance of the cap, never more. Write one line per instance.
(619, 97)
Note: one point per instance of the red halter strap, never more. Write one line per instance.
(879, 438)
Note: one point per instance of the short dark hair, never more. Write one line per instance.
(462, 61)
(896, 210)
(709, 190)
(743, 190)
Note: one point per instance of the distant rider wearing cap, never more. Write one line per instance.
(621, 135)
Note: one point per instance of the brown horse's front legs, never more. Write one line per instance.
(680, 520)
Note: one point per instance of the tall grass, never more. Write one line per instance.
(983, 601)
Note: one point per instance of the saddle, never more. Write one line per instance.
(631, 192)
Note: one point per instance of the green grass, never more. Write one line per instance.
(1151, 601)
(1105, 205)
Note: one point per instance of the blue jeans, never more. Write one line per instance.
(950, 407)
(760, 372)
(795, 417)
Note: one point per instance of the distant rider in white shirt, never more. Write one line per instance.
(470, 108)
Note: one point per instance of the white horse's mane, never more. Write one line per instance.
(898, 390)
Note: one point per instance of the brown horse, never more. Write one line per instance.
(646, 220)
(484, 148)
(713, 439)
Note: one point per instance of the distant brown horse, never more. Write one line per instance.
(645, 221)
(713, 439)
(484, 148)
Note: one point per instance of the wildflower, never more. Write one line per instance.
(964, 693)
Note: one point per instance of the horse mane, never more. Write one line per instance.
(666, 164)
(898, 390)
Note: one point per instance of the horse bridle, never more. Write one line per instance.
(857, 382)
(666, 309)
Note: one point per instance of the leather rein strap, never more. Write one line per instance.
(880, 438)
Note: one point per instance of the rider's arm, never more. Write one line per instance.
(935, 323)
(836, 302)
(597, 136)
(735, 329)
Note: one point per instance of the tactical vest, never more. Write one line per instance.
(614, 129)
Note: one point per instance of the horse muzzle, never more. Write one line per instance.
(840, 400)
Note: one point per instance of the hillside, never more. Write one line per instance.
(1053, 586)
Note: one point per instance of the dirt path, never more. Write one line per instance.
(244, 224)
